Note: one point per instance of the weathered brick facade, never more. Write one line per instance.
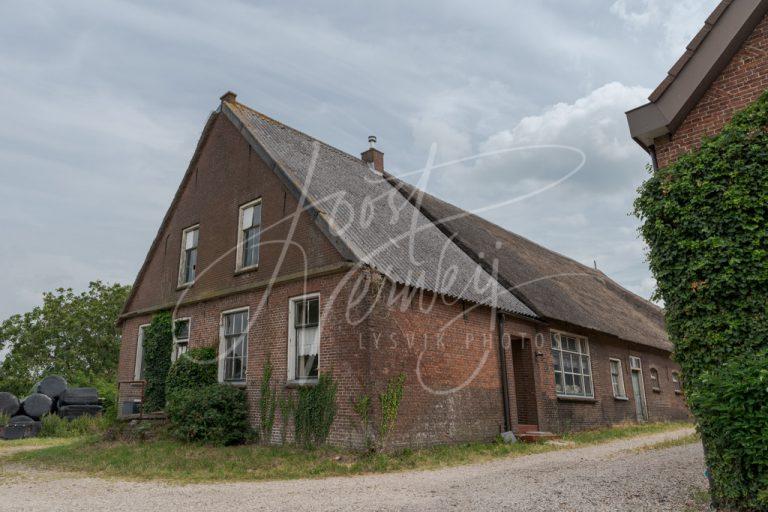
(371, 329)
(739, 84)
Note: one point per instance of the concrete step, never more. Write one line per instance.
(535, 436)
(522, 429)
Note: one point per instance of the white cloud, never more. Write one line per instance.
(678, 20)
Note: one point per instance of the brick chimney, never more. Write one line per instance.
(373, 157)
(229, 97)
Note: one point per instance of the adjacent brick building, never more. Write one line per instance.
(279, 246)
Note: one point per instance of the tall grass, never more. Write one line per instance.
(4, 419)
(56, 426)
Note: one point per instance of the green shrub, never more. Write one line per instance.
(53, 425)
(4, 419)
(158, 344)
(731, 403)
(214, 414)
(705, 220)
(315, 412)
(267, 402)
(194, 369)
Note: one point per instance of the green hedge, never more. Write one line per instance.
(215, 414)
(705, 220)
(194, 369)
(731, 403)
(158, 345)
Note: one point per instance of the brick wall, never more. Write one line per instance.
(372, 330)
(227, 175)
(565, 414)
(740, 83)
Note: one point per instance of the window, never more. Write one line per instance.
(655, 380)
(249, 235)
(188, 264)
(572, 366)
(234, 346)
(678, 387)
(180, 337)
(617, 379)
(304, 338)
(140, 364)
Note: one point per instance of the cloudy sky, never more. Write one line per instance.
(102, 103)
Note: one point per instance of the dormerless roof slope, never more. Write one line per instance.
(542, 282)
(704, 58)
(367, 219)
(554, 286)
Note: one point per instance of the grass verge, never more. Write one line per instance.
(670, 443)
(188, 463)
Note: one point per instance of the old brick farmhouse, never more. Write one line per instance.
(278, 245)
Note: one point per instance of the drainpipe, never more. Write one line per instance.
(503, 369)
(654, 160)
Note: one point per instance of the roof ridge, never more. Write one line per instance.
(302, 133)
(592, 271)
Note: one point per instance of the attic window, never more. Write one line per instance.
(249, 233)
(188, 263)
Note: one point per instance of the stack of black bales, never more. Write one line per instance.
(50, 395)
(76, 402)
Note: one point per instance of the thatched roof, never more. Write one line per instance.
(553, 286)
(367, 219)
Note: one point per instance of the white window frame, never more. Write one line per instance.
(292, 336)
(223, 345)
(588, 394)
(621, 393)
(183, 256)
(175, 352)
(241, 237)
(137, 364)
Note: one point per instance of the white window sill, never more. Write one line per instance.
(571, 398)
(183, 286)
(301, 383)
(234, 383)
(622, 398)
(245, 270)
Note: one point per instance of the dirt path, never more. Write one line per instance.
(613, 476)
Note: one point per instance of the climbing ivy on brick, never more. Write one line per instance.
(158, 344)
(705, 220)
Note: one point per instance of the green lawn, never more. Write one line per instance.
(186, 463)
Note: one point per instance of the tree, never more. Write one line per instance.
(72, 335)
(705, 220)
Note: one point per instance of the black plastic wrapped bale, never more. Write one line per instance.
(9, 404)
(52, 386)
(79, 396)
(75, 411)
(37, 405)
(20, 427)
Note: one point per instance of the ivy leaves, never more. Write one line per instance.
(705, 220)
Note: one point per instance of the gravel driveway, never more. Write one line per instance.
(613, 476)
